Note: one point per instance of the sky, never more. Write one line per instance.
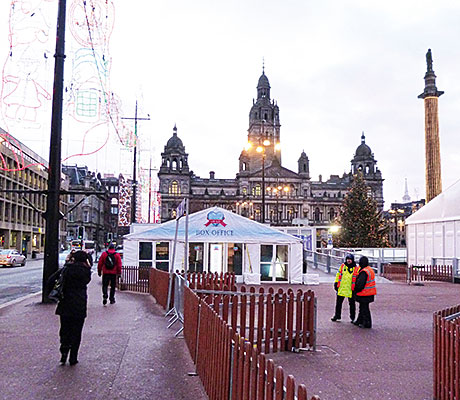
(336, 69)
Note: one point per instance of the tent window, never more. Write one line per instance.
(195, 257)
(162, 256)
(274, 262)
(145, 254)
(235, 258)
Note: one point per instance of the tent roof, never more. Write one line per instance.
(444, 207)
(216, 225)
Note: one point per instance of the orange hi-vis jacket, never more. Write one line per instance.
(370, 288)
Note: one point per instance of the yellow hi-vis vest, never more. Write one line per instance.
(346, 280)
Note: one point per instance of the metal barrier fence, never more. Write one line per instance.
(420, 273)
(136, 279)
(230, 367)
(282, 321)
(446, 354)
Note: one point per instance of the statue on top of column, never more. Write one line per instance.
(429, 61)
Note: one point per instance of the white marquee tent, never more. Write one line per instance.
(220, 241)
(433, 232)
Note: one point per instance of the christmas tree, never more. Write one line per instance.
(361, 221)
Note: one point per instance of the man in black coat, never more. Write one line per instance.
(72, 307)
(364, 319)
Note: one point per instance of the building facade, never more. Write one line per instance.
(90, 213)
(22, 225)
(263, 189)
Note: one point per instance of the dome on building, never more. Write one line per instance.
(263, 81)
(363, 149)
(174, 142)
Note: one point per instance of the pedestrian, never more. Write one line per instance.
(344, 284)
(365, 291)
(109, 266)
(72, 307)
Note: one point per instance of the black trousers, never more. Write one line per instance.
(364, 315)
(338, 307)
(106, 279)
(70, 335)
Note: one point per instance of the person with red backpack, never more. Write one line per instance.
(109, 266)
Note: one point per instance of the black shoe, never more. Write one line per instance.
(357, 323)
(352, 321)
(334, 318)
(63, 358)
(73, 362)
(104, 302)
(112, 301)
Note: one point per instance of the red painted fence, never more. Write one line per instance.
(446, 354)
(229, 366)
(136, 279)
(396, 272)
(274, 322)
(159, 282)
(443, 273)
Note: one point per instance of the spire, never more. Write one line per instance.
(263, 65)
(175, 130)
(406, 197)
(363, 138)
(430, 79)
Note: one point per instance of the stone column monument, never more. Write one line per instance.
(432, 152)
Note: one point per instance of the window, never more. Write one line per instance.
(317, 214)
(145, 254)
(85, 216)
(162, 256)
(113, 210)
(195, 257)
(235, 258)
(174, 188)
(256, 191)
(331, 214)
(274, 262)
(71, 217)
(245, 191)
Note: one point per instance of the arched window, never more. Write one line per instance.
(174, 165)
(245, 191)
(244, 166)
(174, 188)
(317, 214)
(331, 214)
(367, 169)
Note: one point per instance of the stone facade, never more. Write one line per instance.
(289, 196)
(90, 213)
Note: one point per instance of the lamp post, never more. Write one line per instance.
(276, 192)
(262, 149)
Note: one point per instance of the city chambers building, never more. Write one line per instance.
(263, 189)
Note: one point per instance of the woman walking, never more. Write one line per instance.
(72, 307)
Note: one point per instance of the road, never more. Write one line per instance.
(18, 282)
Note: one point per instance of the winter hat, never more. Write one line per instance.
(111, 246)
(363, 262)
(80, 256)
(350, 256)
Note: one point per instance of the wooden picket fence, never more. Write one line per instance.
(159, 283)
(446, 354)
(278, 321)
(229, 366)
(420, 273)
(135, 279)
(198, 280)
(396, 272)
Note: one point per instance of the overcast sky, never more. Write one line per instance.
(336, 68)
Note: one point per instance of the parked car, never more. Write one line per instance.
(12, 257)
